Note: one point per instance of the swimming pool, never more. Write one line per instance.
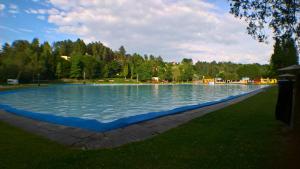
(105, 107)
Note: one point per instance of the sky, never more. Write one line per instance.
(174, 29)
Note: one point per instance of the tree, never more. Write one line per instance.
(79, 48)
(76, 67)
(144, 71)
(125, 70)
(285, 54)
(252, 71)
(59, 70)
(91, 67)
(114, 68)
(24, 60)
(186, 69)
(122, 51)
(48, 61)
(176, 73)
(282, 16)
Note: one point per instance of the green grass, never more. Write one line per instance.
(244, 135)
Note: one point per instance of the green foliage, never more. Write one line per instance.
(76, 67)
(122, 51)
(280, 16)
(59, 70)
(252, 71)
(186, 69)
(144, 70)
(25, 60)
(125, 70)
(285, 54)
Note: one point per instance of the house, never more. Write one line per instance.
(268, 81)
(155, 79)
(245, 80)
(66, 57)
(12, 81)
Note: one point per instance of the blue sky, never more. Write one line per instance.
(198, 29)
(18, 24)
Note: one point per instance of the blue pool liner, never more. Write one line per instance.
(97, 126)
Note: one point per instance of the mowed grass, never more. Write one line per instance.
(244, 135)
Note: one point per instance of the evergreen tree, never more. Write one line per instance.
(122, 51)
(76, 67)
(59, 70)
(285, 54)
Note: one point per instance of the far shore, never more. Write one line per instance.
(5, 86)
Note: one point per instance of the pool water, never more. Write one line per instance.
(107, 103)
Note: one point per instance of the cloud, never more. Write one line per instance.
(36, 11)
(170, 28)
(13, 9)
(25, 30)
(41, 17)
(2, 7)
(9, 29)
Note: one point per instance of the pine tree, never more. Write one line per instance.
(285, 54)
(76, 67)
(58, 70)
(122, 51)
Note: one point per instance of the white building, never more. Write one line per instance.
(66, 57)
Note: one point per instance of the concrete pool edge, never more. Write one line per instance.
(98, 126)
(80, 138)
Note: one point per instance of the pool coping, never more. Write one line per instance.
(86, 139)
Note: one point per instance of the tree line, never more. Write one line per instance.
(27, 61)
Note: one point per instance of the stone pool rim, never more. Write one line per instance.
(97, 126)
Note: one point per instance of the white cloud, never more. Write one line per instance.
(25, 30)
(9, 29)
(172, 29)
(41, 17)
(13, 9)
(36, 11)
(2, 7)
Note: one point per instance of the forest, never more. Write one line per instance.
(27, 61)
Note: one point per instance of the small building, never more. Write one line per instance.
(12, 81)
(155, 79)
(208, 81)
(66, 57)
(268, 81)
(219, 80)
(245, 80)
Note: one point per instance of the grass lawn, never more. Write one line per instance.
(244, 135)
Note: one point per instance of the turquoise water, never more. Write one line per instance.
(107, 103)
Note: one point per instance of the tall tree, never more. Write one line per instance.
(122, 51)
(76, 67)
(285, 54)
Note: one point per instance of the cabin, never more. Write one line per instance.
(155, 79)
(66, 57)
(12, 81)
(208, 81)
(219, 81)
(268, 81)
